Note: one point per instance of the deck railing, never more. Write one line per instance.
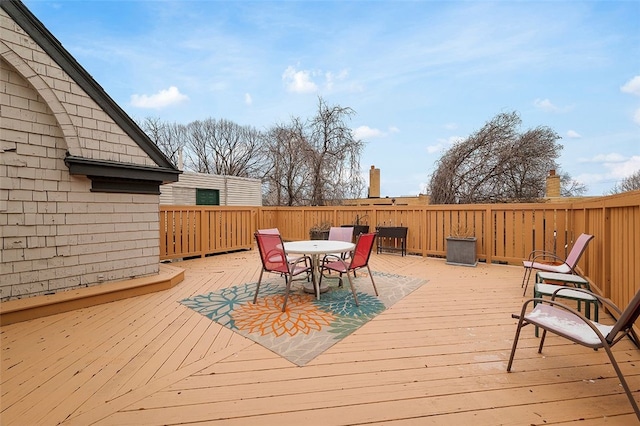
(505, 233)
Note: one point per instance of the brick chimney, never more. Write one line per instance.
(374, 182)
(553, 184)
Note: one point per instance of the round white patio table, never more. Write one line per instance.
(315, 248)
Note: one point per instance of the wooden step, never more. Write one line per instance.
(19, 310)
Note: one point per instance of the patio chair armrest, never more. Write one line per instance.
(548, 255)
(330, 258)
(535, 253)
(302, 259)
(604, 301)
(576, 289)
(276, 254)
(564, 307)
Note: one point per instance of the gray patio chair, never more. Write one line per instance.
(565, 266)
(564, 321)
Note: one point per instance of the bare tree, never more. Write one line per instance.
(170, 138)
(225, 148)
(630, 183)
(286, 181)
(312, 162)
(197, 149)
(333, 155)
(496, 164)
(570, 187)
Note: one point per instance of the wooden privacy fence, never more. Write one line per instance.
(506, 233)
(188, 231)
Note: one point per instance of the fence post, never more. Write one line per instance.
(203, 233)
(488, 234)
(606, 253)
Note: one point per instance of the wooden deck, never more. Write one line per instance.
(436, 357)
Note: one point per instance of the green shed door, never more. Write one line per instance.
(207, 197)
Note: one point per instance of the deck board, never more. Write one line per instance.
(438, 356)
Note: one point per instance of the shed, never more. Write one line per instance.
(208, 189)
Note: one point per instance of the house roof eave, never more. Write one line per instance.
(114, 169)
(48, 42)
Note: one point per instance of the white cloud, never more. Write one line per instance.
(627, 167)
(298, 81)
(432, 149)
(604, 158)
(616, 168)
(548, 106)
(331, 78)
(443, 144)
(572, 134)
(248, 99)
(545, 105)
(366, 132)
(632, 86)
(590, 178)
(163, 98)
(311, 81)
(451, 126)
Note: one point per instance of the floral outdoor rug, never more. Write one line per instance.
(308, 327)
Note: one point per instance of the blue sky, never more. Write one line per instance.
(419, 74)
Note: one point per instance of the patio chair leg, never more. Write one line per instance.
(632, 336)
(287, 281)
(353, 289)
(515, 343)
(372, 281)
(525, 280)
(255, 297)
(544, 335)
(623, 382)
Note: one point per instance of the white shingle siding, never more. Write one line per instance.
(96, 134)
(234, 191)
(55, 233)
